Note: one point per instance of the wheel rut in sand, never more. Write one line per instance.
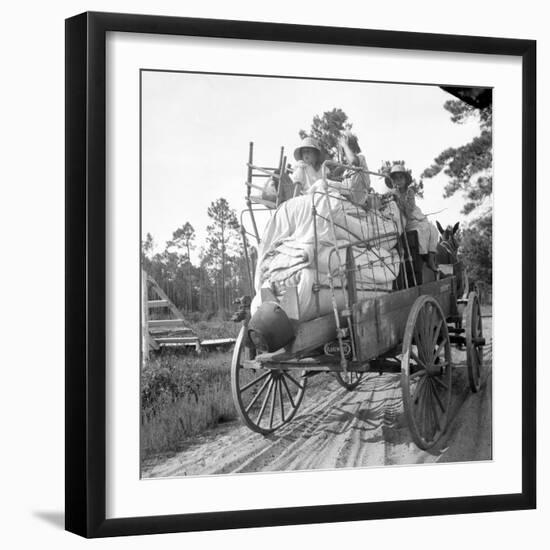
(335, 428)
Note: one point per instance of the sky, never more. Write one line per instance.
(196, 130)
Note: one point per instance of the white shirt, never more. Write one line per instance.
(306, 175)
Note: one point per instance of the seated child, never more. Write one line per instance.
(308, 168)
(399, 181)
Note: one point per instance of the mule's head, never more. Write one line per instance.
(449, 235)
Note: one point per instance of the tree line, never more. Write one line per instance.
(470, 171)
(220, 277)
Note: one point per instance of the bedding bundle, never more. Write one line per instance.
(289, 260)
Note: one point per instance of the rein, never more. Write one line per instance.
(448, 247)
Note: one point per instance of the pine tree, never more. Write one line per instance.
(327, 129)
(222, 234)
(463, 163)
(182, 239)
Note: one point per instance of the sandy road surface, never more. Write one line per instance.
(335, 428)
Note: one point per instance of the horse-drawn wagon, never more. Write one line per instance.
(338, 287)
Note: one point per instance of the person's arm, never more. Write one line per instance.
(406, 201)
(363, 164)
(350, 155)
(298, 178)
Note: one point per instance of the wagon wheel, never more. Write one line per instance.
(349, 380)
(264, 398)
(474, 341)
(426, 372)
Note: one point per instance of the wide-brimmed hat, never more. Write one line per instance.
(398, 168)
(307, 142)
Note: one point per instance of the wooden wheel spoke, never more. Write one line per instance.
(428, 332)
(433, 409)
(418, 389)
(416, 338)
(429, 341)
(479, 325)
(255, 381)
(441, 383)
(424, 411)
(428, 411)
(437, 398)
(272, 411)
(288, 392)
(422, 348)
(437, 331)
(474, 330)
(257, 396)
(291, 378)
(417, 359)
(419, 342)
(266, 399)
(281, 400)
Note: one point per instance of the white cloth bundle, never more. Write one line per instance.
(286, 255)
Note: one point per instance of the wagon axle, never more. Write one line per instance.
(461, 340)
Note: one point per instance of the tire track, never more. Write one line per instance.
(340, 429)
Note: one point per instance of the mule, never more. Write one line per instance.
(447, 248)
(447, 253)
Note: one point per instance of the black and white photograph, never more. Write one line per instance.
(316, 273)
(274, 275)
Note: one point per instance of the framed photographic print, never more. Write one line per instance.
(294, 256)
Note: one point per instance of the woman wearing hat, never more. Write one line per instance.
(399, 181)
(308, 168)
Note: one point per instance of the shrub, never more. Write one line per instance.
(182, 395)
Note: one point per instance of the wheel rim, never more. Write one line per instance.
(265, 399)
(474, 330)
(426, 372)
(349, 380)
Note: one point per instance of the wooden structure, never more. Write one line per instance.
(409, 329)
(170, 331)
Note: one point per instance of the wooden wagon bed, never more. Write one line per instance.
(378, 324)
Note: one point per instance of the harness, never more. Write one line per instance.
(449, 248)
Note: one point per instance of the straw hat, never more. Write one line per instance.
(307, 142)
(398, 168)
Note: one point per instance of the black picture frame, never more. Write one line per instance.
(86, 268)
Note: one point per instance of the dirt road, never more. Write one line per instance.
(335, 428)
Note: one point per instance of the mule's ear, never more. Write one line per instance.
(455, 228)
(439, 228)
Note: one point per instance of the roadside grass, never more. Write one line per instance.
(181, 396)
(216, 328)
